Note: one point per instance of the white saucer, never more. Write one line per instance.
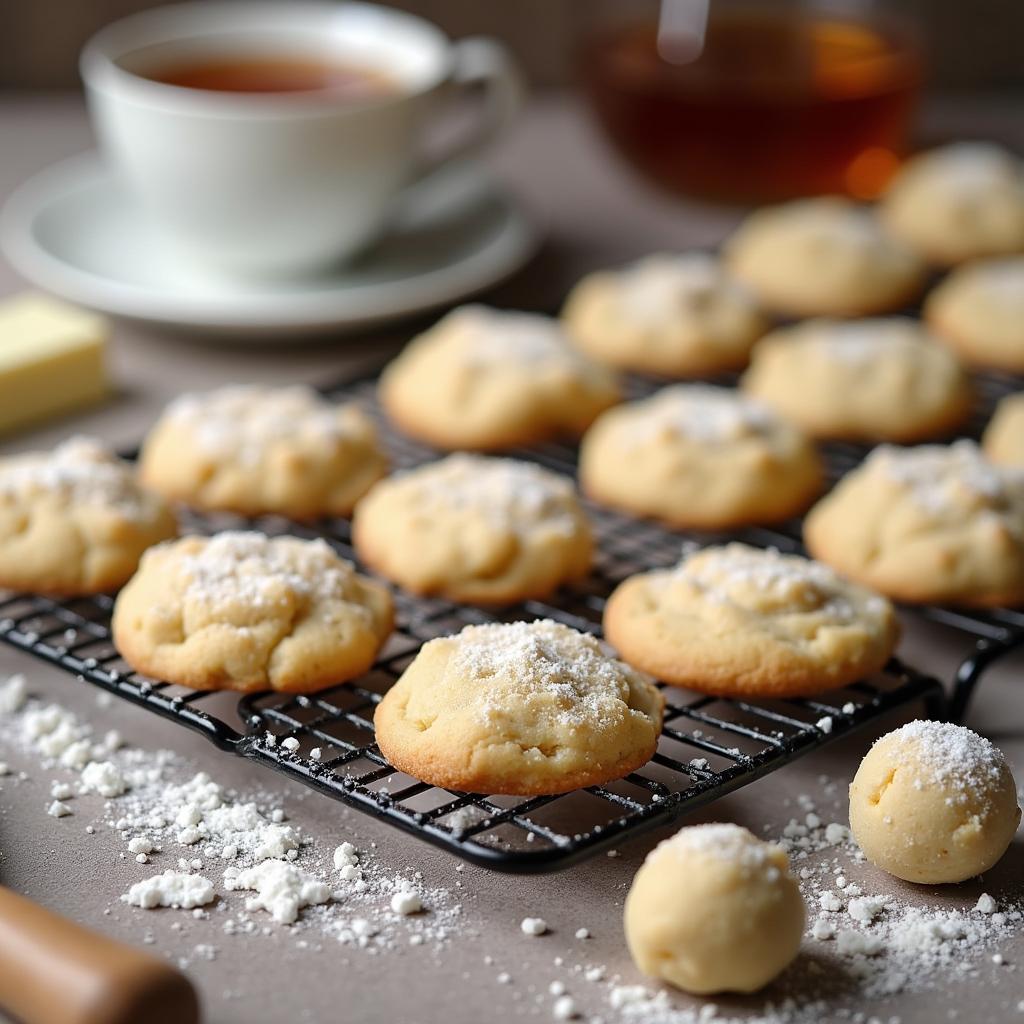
(72, 231)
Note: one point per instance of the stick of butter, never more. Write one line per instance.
(51, 359)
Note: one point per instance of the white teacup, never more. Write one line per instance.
(267, 184)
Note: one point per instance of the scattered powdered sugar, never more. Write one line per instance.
(948, 755)
(209, 843)
(281, 888)
(171, 889)
(246, 566)
(81, 471)
(243, 421)
(542, 658)
(699, 412)
(936, 475)
(514, 495)
(827, 224)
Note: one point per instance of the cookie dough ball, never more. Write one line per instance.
(823, 257)
(714, 909)
(958, 203)
(488, 379)
(254, 450)
(475, 528)
(979, 312)
(75, 520)
(1004, 436)
(672, 315)
(521, 708)
(933, 802)
(243, 611)
(860, 380)
(699, 456)
(932, 525)
(739, 621)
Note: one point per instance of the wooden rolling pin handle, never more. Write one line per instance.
(55, 972)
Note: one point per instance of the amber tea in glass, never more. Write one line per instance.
(779, 102)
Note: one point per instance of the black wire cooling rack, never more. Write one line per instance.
(709, 746)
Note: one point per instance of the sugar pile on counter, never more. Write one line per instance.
(208, 843)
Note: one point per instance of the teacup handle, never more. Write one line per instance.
(479, 63)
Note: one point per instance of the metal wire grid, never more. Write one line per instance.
(709, 746)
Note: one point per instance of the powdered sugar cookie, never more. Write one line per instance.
(488, 379)
(475, 528)
(958, 203)
(934, 802)
(673, 315)
(860, 380)
(979, 312)
(739, 621)
(932, 524)
(243, 611)
(253, 449)
(75, 520)
(823, 257)
(521, 708)
(714, 909)
(699, 456)
(1004, 436)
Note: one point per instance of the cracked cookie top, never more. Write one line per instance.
(934, 523)
(256, 449)
(243, 611)
(474, 528)
(739, 621)
(488, 379)
(518, 708)
(75, 520)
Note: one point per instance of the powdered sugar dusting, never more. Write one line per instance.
(242, 421)
(250, 567)
(700, 412)
(80, 471)
(664, 286)
(516, 496)
(586, 687)
(722, 841)
(487, 337)
(949, 755)
(938, 477)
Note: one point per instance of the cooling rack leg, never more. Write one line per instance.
(968, 674)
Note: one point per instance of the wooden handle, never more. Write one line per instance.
(55, 972)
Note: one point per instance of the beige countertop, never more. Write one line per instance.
(595, 213)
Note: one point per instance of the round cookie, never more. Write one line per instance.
(738, 621)
(75, 520)
(934, 802)
(699, 456)
(488, 379)
(958, 203)
(860, 380)
(932, 524)
(1003, 441)
(823, 257)
(671, 315)
(521, 708)
(714, 909)
(979, 312)
(475, 528)
(243, 611)
(255, 450)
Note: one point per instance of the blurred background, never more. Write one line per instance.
(971, 45)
